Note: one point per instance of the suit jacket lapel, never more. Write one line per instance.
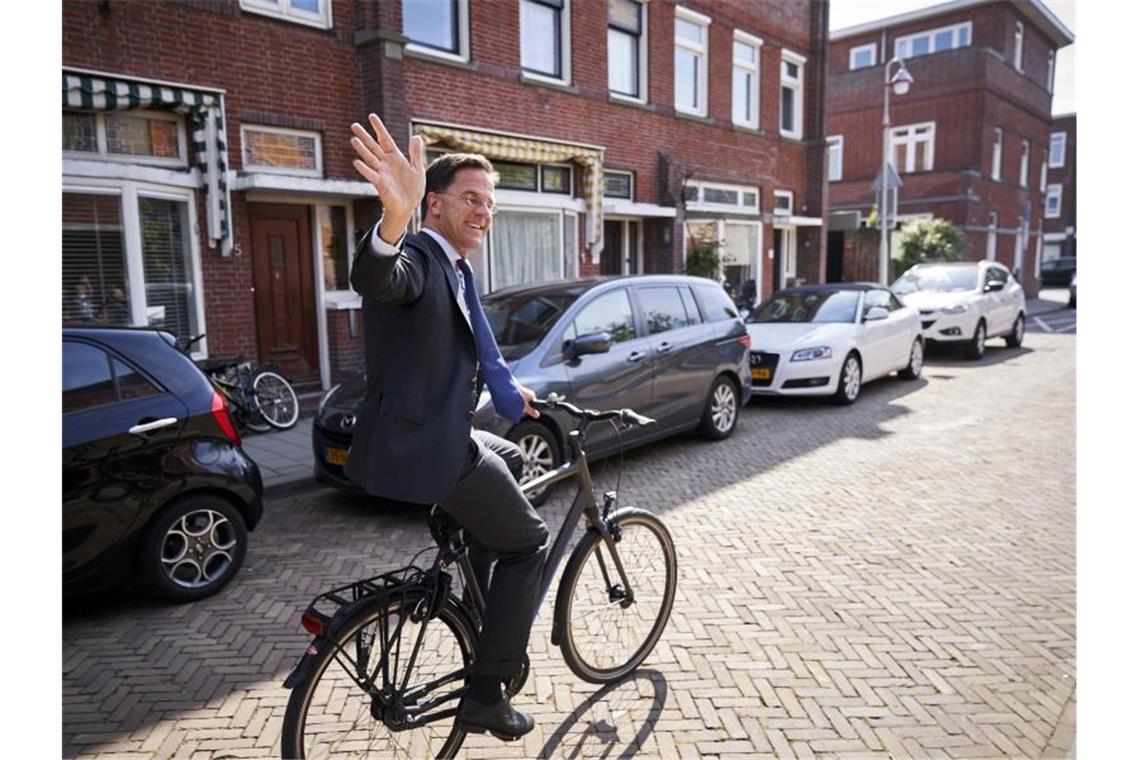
(428, 242)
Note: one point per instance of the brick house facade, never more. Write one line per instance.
(982, 75)
(622, 180)
(1061, 189)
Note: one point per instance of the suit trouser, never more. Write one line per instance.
(493, 511)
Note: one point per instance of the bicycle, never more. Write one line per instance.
(261, 398)
(391, 654)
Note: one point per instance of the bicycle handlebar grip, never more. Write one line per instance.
(630, 416)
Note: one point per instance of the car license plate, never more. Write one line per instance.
(336, 456)
(759, 373)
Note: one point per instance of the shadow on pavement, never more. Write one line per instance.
(567, 742)
(946, 356)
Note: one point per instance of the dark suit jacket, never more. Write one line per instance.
(411, 435)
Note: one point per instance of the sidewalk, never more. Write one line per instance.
(284, 456)
(1048, 299)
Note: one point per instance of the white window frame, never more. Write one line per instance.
(1058, 141)
(463, 27)
(791, 196)
(740, 207)
(1019, 47)
(322, 19)
(1053, 193)
(756, 261)
(835, 168)
(128, 192)
(101, 154)
(1050, 72)
(566, 57)
(752, 68)
(262, 169)
(632, 189)
(1023, 170)
(797, 85)
(906, 134)
(905, 45)
(702, 53)
(642, 60)
(995, 154)
(872, 47)
(991, 237)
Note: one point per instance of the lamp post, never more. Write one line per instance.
(900, 82)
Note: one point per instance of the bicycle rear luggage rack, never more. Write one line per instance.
(325, 607)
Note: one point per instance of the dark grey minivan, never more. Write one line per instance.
(668, 346)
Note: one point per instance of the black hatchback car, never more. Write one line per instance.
(1058, 272)
(156, 487)
(668, 346)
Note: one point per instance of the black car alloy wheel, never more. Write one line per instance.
(192, 548)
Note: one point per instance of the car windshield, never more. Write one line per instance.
(817, 306)
(937, 280)
(520, 321)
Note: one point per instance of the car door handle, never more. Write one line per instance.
(149, 427)
(665, 347)
(636, 356)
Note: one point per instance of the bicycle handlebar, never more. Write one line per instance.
(628, 416)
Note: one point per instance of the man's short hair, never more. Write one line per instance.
(441, 172)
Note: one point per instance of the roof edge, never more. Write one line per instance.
(1053, 26)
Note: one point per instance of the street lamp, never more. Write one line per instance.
(900, 82)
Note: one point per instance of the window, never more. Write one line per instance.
(610, 313)
(544, 38)
(625, 48)
(526, 247)
(862, 57)
(1044, 170)
(618, 185)
(1057, 150)
(1053, 202)
(145, 137)
(1049, 72)
(707, 196)
(791, 94)
(1018, 46)
(912, 147)
(715, 303)
(873, 298)
(92, 377)
(556, 179)
(437, 27)
(933, 41)
(995, 159)
(664, 310)
(129, 258)
(835, 158)
(1023, 171)
(783, 203)
(281, 151)
(332, 229)
(690, 62)
(997, 273)
(746, 80)
(316, 13)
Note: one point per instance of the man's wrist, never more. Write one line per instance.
(391, 229)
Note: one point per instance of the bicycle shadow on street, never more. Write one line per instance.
(602, 731)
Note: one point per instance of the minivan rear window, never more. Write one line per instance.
(715, 303)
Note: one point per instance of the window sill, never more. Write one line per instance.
(792, 138)
(628, 100)
(693, 117)
(746, 128)
(539, 80)
(447, 59)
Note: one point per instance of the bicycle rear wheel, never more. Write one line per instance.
(274, 400)
(605, 629)
(329, 715)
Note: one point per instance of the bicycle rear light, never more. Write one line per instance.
(221, 414)
(313, 624)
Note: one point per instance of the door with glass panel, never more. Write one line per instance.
(620, 254)
(284, 296)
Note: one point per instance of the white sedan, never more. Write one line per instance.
(965, 303)
(827, 340)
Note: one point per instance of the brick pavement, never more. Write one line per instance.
(895, 578)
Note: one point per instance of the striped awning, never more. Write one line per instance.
(510, 148)
(91, 92)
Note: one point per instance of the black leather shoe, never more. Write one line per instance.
(500, 719)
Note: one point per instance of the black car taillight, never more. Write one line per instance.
(221, 414)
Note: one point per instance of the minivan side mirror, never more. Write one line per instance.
(876, 313)
(591, 343)
(992, 285)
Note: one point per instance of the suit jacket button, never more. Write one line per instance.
(471, 415)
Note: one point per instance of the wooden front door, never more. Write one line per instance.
(283, 290)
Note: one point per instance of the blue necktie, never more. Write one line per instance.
(504, 394)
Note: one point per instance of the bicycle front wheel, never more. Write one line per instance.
(331, 715)
(607, 629)
(274, 400)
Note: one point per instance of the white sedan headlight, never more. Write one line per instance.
(811, 354)
(955, 309)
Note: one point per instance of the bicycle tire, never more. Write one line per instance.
(329, 698)
(592, 625)
(274, 400)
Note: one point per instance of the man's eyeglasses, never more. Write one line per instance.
(474, 201)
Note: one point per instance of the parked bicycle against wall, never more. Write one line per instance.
(260, 397)
(392, 654)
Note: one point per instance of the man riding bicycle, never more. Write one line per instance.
(428, 349)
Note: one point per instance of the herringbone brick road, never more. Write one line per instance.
(892, 579)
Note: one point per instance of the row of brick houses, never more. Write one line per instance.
(208, 185)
